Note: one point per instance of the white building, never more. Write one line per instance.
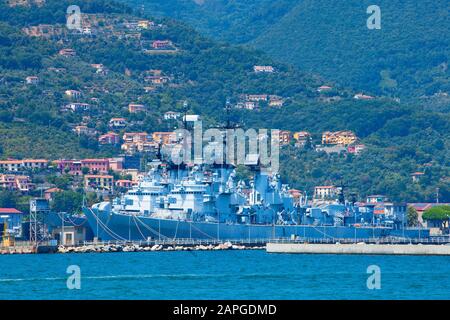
(171, 115)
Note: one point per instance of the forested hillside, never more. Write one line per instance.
(400, 138)
(407, 58)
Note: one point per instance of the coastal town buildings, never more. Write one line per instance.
(164, 137)
(21, 183)
(23, 165)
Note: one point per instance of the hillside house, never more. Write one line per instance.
(84, 130)
(49, 193)
(135, 142)
(77, 107)
(131, 148)
(33, 80)
(72, 94)
(276, 102)
(117, 122)
(99, 182)
(164, 137)
(361, 96)
(356, 149)
(124, 184)
(137, 137)
(157, 80)
(325, 192)
(110, 138)
(263, 69)
(135, 108)
(162, 44)
(257, 97)
(67, 52)
(171, 115)
(301, 138)
(145, 24)
(100, 68)
(416, 176)
(285, 137)
(154, 72)
(322, 89)
(339, 137)
(250, 105)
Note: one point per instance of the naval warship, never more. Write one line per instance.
(208, 201)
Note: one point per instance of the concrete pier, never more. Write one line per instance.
(360, 248)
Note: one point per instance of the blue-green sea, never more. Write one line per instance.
(222, 275)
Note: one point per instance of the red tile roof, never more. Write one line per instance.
(10, 211)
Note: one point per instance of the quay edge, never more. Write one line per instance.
(359, 249)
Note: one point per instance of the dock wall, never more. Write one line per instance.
(363, 249)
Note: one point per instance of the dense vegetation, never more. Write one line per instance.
(235, 21)
(401, 138)
(408, 57)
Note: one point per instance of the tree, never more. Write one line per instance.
(440, 214)
(412, 217)
(8, 199)
(85, 170)
(67, 201)
(243, 173)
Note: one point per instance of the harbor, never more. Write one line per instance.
(370, 246)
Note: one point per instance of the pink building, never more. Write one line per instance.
(96, 165)
(75, 167)
(72, 167)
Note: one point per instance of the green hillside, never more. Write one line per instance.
(407, 58)
(400, 138)
(233, 21)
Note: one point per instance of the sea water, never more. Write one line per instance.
(223, 275)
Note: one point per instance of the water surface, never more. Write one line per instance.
(223, 275)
